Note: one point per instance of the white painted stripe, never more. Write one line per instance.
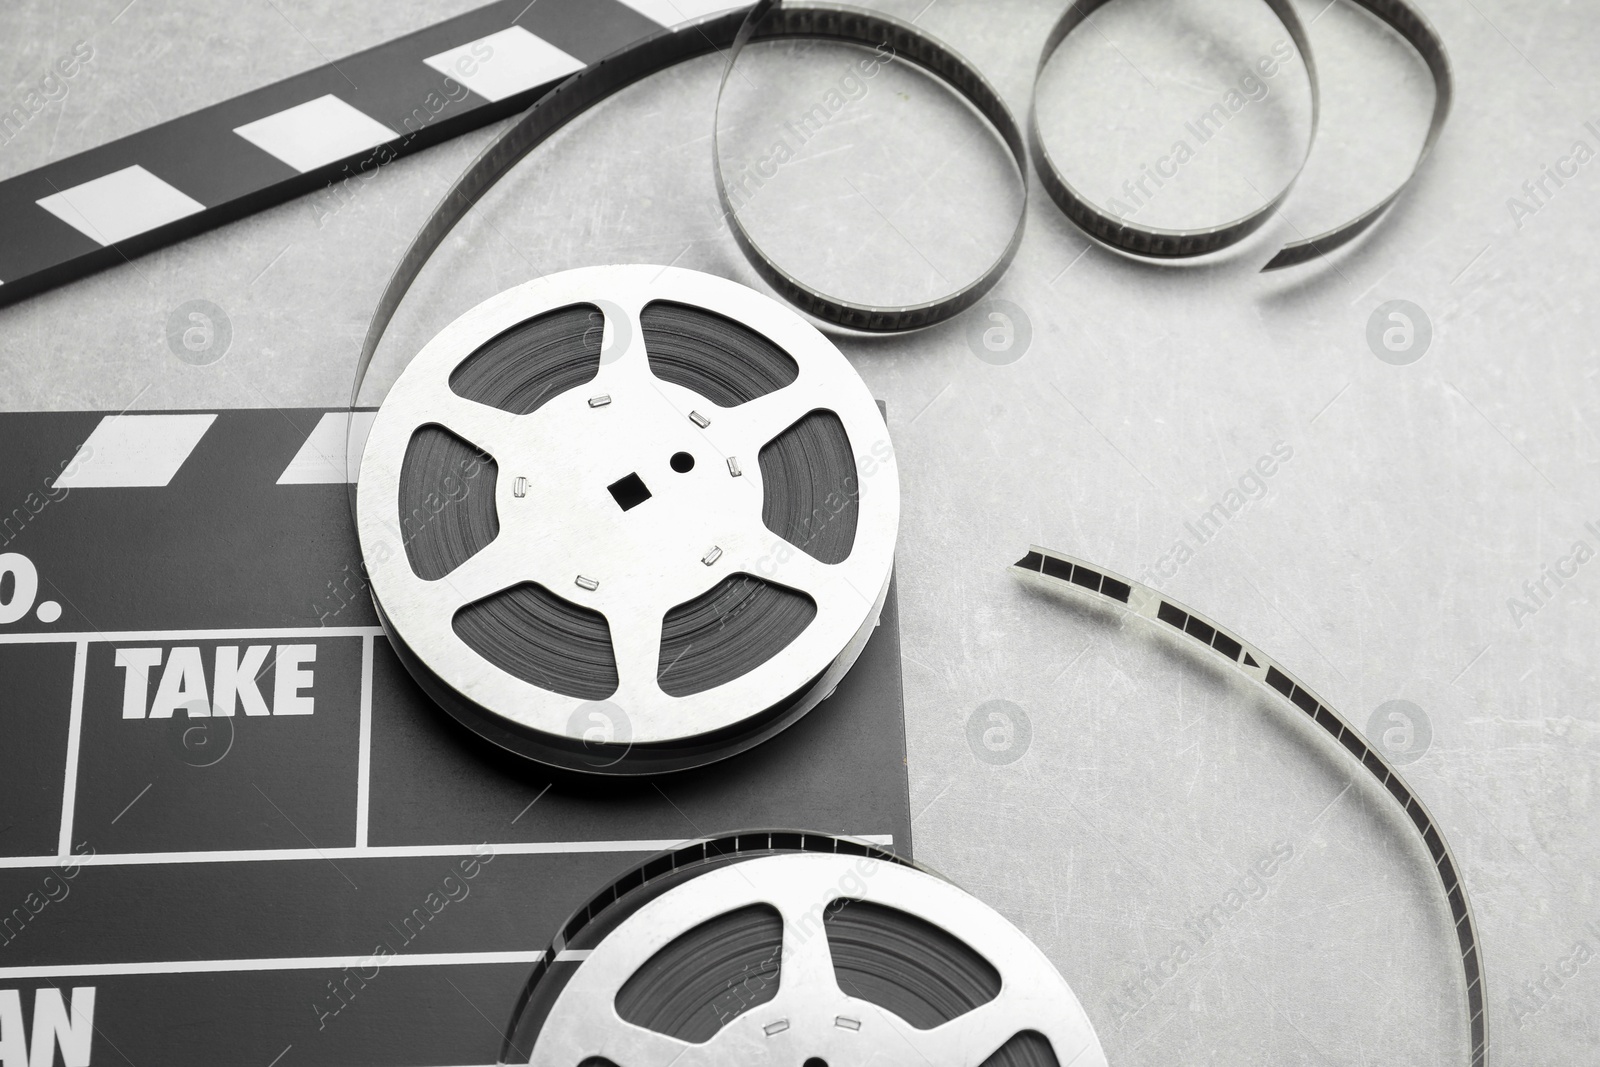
(324, 458)
(364, 747)
(120, 205)
(674, 12)
(573, 955)
(505, 63)
(69, 788)
(514, 848)
(129, 636)
(136, 450)
(271, 963)
(316, 133)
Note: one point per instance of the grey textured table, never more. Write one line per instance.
(1389, 557)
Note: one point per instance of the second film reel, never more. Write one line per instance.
(628, 519)
(782, 947)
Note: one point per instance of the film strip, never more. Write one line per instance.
(1060, 572)
(791, 947)
(727, 33)
(772, 20)
(1157, 243)
(347, 119)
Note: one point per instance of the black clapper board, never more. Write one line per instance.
(345, 876)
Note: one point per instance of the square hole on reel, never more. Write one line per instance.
(629, 492)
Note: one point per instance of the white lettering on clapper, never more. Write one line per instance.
(236, 679)
(52, 1026)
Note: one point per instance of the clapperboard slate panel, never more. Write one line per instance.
(325, 126)
(222, 884)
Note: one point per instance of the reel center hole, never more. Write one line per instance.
(629, 492)
(682, 462)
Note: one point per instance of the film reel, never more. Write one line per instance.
(628, 519)
(794, 948)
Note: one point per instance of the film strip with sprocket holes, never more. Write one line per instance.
(1061, 572)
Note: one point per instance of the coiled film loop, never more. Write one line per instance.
(1149, 241)
(1157, 243)
(772, 20)
(1420, 34)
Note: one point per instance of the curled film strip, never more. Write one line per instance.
(628, 520)
(1157, 243)
(771, 20)
(1060, 572)
(793, 948)
(728, 33)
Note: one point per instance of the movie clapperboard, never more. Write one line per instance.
(232, 829)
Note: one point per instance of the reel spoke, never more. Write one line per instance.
(970, 1038)
(486, 428)
(622, 350)
(756, 550)
(497, 566)
(636, 640)
(634, 1046)
(743, 431)
(807, 977)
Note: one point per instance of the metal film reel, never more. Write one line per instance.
(794, 949)
(628, 519)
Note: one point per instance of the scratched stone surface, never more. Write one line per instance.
(1432, 475)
